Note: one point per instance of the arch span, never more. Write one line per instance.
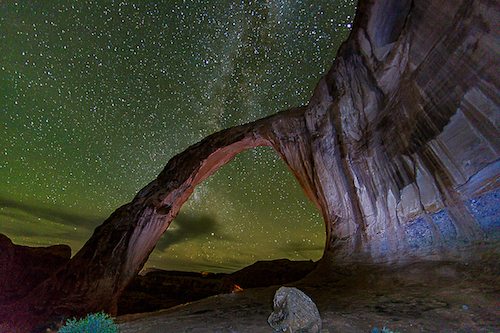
(250, 209)
(119, 248)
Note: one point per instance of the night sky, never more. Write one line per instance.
(96, 96)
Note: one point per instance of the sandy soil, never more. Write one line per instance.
(416, 298)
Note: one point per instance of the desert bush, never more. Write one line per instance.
(93, 323)
(383, 330)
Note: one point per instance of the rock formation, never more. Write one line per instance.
(156, 289)
(271, 273)
(22, 268)
(398, 148)
(294, 311)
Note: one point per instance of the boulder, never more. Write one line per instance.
(294, 312)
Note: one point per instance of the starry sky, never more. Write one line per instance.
(96, 96)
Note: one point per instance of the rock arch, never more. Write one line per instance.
(396, 147)
(119, 248)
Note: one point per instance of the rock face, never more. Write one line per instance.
(22, 268)
(159, 289)
(294, 311)
(398, 148)
(271, 273)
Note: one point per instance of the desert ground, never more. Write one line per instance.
(419, 297)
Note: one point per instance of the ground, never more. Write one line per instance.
(422, 297)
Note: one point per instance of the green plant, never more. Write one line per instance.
(383, 330)
(94, 323)
(386, 330)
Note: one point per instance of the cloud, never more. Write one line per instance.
(188, 227)
(12, 208)
(185, 227)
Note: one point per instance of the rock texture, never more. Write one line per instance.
(398, 148)
(22, 268)
(293, 312)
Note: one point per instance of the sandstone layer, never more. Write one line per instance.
(398, 148)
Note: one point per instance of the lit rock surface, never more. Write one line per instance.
(293, 312)
(398, 148)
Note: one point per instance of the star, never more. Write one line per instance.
(96, 96)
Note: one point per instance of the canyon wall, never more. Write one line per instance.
(398, 148)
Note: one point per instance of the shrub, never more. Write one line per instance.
(93, 323)
(383, 330)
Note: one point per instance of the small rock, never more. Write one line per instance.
(294, 312)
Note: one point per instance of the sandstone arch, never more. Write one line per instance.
(398, 142)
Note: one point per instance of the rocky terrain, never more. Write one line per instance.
(157, 289)
(398, 148)
(431, 297)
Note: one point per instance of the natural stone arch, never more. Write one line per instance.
(254, 196)
(398, 140)
(119, 247)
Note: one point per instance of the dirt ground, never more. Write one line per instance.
(422, 297)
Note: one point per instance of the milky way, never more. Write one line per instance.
(96, 96)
